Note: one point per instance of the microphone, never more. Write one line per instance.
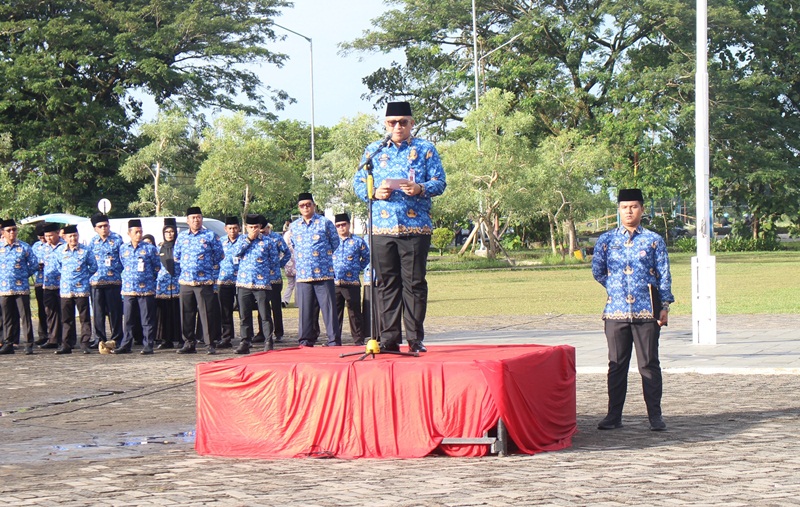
(387, 139)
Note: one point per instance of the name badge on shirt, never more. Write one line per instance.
(235, 261)
(140, 265)
(411, 174)
(108, 261)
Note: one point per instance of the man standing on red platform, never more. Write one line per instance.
(631, 262)
(408, 173)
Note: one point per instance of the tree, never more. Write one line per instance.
(171, 151)
(488, 180)
(566, 173)
(243, 172)
(560, 67)
(333, 180)
(67, 69)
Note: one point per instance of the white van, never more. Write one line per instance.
(150, 225)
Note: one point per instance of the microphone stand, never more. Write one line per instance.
(373, 348)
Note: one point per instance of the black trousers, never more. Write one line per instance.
(226, 295)
(107, 303)
(41, 330)
(311, 297)
(249, 300)
(51, 298)
(622, 337)
(401, 288)
(69, 329)
(277, 309)
(139, 312)
(350, 296)
(199, 300)
(168, 321)
(17, 316)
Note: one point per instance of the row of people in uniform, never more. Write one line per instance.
(169, 296)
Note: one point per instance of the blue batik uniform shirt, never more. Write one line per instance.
(106, 255)
(199, 255)
(229, 266)
(39, 252)
(403, 215)
(77, 267)
(313, 243)
(280, 259)
(51, 271)
(140, 269)
(17, 264)
(256, 257)
(630, 266)
(349, 260)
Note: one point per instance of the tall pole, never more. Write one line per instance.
(704, 283)
(311, 60)
(475, 65)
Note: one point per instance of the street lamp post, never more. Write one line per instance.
(311, 50)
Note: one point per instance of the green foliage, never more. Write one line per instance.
(243, 172)
(511, 242)
(686, 245)
(333, 179)
(67, 69)
(169, 153)
(441, 238)
(733, 244)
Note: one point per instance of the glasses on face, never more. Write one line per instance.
(403, 123)
(305, 204)
(10, 229)
(101, 226)
(343, 224)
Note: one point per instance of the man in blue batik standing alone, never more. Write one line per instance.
(631, 262)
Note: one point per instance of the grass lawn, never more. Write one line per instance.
(762, 282)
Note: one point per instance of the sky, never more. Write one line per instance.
(337, 79)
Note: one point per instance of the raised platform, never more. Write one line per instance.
(309, 402)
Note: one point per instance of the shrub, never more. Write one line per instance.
(442, 237)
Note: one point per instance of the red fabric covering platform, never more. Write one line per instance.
(310, 402)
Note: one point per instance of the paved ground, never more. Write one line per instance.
(106, 430)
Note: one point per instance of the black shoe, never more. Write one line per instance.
(146, 352)
(359, 343)
(278, 339)
(121, 350)
(226, 344)
(29, 350)
(284, 304)
(243, 348)
(49, 345)
(269, 345)
(188, 348)
(85, 348)
(258, 339)
(610, 423)
(64, 350)
(390, 347)
(94, 344)
(8, 348)
(306, 343)
(212, 350)
(40, 342)
(164, 346)
(657, 424)
(417, 346)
